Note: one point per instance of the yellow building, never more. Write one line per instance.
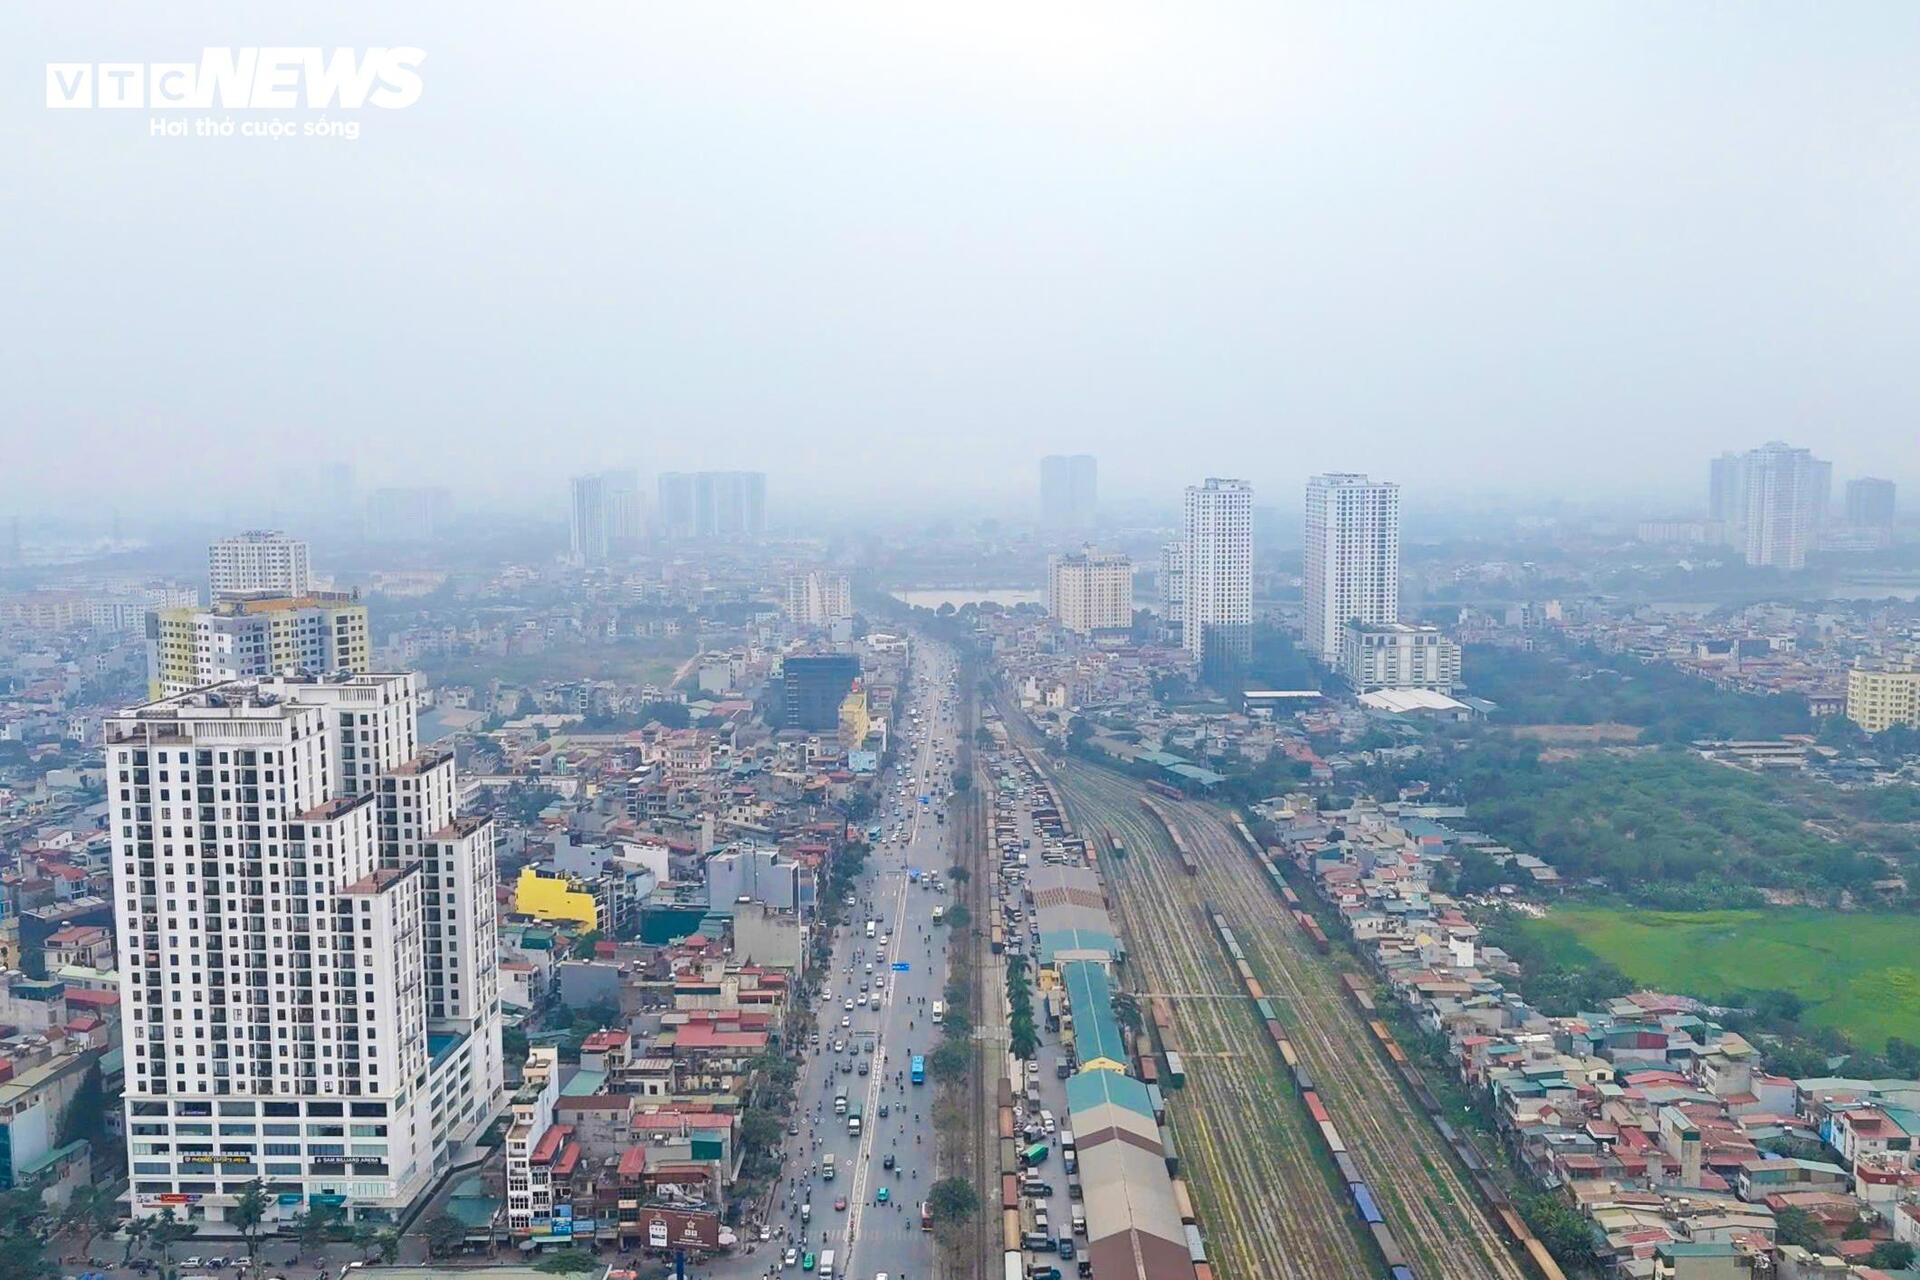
(191, 648)
(554, 898)
(854, 719)
(1881, 695)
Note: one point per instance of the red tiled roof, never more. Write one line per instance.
(549, 1144)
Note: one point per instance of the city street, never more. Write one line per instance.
(871, 1236)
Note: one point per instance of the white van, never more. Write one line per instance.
(826, 1265)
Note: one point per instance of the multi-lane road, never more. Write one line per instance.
(871, 1235)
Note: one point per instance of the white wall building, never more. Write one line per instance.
(1398, 655)
(818, 598)
(1216, 624)
(1091, 592)
(1351, 558)
(1773, 500)
(1069, 490)
(308, 946)
(259, 562)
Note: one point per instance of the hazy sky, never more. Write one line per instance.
(911, 247)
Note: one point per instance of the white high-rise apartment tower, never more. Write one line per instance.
(1352, 558)
(818, 598)
(1069, 490)
(1091, 592)
(259, 562)
(1216, 623)
(307, 935)
(1774, 500)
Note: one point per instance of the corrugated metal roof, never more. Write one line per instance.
(1096, 1035)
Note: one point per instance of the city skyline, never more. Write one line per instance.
(1306, 305)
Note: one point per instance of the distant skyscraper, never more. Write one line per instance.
(1351, 558)
(1870, 503)
(818, 598)
(1772, 499)
(1173, 581)
(588, 519)
(407, 513)
(1069, 490)
(329, 971)
(259, 562)
(726, 505)
(1217, 613)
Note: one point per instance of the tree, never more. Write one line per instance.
(1797, 1226)
(951, 1061)
(85, 1115)
(568, 1262)
(383, 1245)
(953, 1200)
(167, 1230)
(444, 1233)
(248, 1214)
(314, 1228)
(958, 917)
(1891, 1255)
(1561, 1228)
(962, 781)
(136, 1231)
(88, 1212)
(959, 874)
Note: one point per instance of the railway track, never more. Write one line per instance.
(1263, 1196)
(1442, 1226)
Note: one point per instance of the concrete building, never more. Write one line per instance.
(726, 505)
(259, 562)
(1772, 500)
(407, 513)
(1173, 581)
(587, 520)
(1398, 655)
(604, 515)
(1882, 693)
(1870, 503)
(1090, 592)
(818, 598)
(1351, 558)
(241, 639)
(1216, 625)
(307, 938)
(1069, 490)
(812, 687)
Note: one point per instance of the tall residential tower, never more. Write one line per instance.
(1069, 490)
(259, 562)
(307, 934)
(1352, 558)
(1216, 624)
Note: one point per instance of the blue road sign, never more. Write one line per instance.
(901, 966)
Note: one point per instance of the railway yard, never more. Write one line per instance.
(1271, 1185)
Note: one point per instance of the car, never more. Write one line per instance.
(839, 1046)
(840, 1204)
(195, 1261)
(869, 1046)
(1066, 1248)
(766, 1234)
(806, 1261)
(793, 1256)
(863, 1066)
(883, 1116)
(846, 1019)
(881, 1196)
(849, 1004)
(888, 1162)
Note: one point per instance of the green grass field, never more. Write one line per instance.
(1860, 973)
